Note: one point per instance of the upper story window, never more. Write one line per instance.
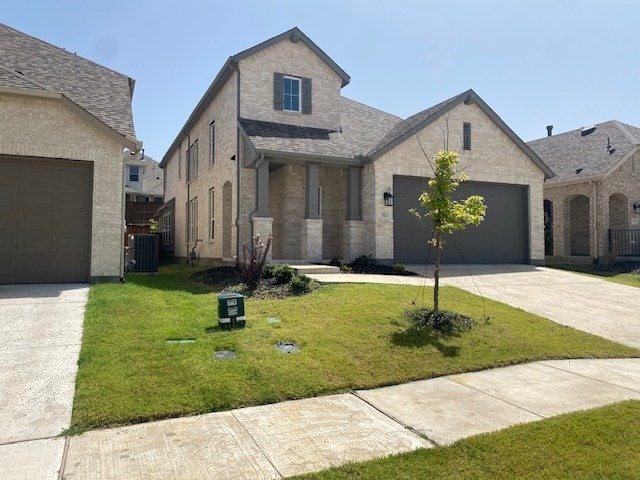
(212, 142)
(466, 136)
(291, 94)
(192, 162)
(134, 173)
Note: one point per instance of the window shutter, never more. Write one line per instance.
(306, 95)
(278, 92)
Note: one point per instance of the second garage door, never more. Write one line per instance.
(501, 238)
(45, 213)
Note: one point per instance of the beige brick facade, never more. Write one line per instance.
(295, 59)
(610, 200)
(494, 157)
(51, 127)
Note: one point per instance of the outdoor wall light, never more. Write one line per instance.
(388, 197)
(636, 206)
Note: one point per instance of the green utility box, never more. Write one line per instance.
(231, 310)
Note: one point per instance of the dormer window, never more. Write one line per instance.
(291, 94)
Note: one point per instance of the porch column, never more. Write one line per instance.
(353, 227)
(311, 226)
(262, 189)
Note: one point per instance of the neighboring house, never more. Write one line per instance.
(592, 204)
(272, 146)
(65, 124)
(143, 188)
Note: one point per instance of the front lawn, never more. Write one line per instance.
(623, 273)
(595, 444)
(351, 336)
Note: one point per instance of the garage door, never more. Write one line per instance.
(45, 213)
(501, 238)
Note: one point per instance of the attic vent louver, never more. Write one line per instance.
(587, 130)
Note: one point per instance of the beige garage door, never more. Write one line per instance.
(45, 219)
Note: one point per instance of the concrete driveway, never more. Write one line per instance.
(41, 332)
(596, 306)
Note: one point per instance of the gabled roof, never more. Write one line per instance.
(28, 63)
(361, 127)
(574, 156)
(420, 120)
(294, 35)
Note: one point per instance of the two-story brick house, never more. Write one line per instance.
(273, 146)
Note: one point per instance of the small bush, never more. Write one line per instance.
(443, 321)
(283, 274)
(267, 271)
(334, 262)
(399, 268)
(362, 261)
(346, 269)
(300, 284)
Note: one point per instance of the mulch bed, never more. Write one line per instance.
(379, 270)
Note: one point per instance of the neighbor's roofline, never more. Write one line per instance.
(231, 65)
(132, 144)
(468, 97)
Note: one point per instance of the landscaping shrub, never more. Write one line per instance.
(334, 262)
(268, 270)
(361, 261)
(443, 321)
(300, 284)
(283, 274)
(399, 268)
(346, 269)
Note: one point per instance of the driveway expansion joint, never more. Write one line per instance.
(264, 454)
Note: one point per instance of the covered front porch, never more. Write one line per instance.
(313, 209)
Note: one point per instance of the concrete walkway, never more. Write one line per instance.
(596, 306)
(41, 331)
(284, 439)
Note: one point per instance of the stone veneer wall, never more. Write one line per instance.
(47, 128)
(493, 157)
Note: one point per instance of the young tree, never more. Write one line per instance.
(446, 214)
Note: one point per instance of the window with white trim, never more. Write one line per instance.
(212, 213)
(291, 91)
(134, 173)
(212, 142)
(192, 220)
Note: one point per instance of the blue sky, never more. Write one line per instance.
(565, 63)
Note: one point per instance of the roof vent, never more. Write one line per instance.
(549, 130)
(587, 130)
(578, 170)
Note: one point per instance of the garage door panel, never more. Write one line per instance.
(48, 206)
(501, 238)
(33, 222)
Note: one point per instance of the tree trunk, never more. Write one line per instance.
(436, 275)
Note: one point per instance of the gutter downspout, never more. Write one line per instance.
(236, 68)
(186, 163)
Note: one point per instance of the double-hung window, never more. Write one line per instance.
(212, 143)
(212, 213)
(134, 173)
(192, 220)
(291, 92)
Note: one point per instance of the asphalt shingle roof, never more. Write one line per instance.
(573, 156)
(361, 127)
(29, 63)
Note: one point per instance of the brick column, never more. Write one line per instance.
(352, 240)
(311, 239)
(264, 226)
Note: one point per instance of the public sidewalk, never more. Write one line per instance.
(289, 438)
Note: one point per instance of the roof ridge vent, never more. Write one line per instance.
(587, 130)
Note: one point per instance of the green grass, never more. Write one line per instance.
(617, 274)
(597, 444)
(352, 336)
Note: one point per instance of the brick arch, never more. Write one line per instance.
(618, 211)
(577, 222)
